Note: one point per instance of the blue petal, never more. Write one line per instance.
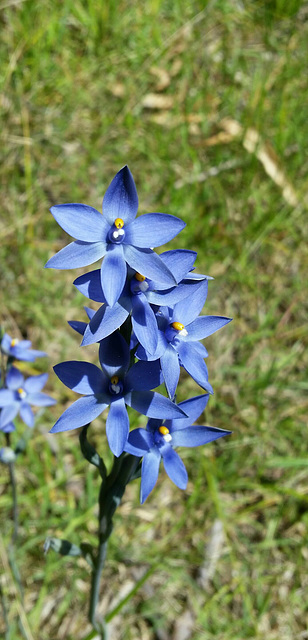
(81, 412)
(197, 436)
(114, 354)
(179, 261)
(7, 397)
(90, 285)
(81, 222)
(104, 322)
(117, 426)
(77, 254)
(82, 377)
(149, 473)
(35, 383)
(194, 364)
(8, 428)
(153, 404)
(162, 345)
(149, 264)
(193, 408)
(171, 370)
(121, 199)
(26, 414)
(204, 326)
(28, 355)
(113, 274)
(8, 413)
(144, 323)
(14, 379)
(40, 399)
(6, 343)
(78, 326)
(175, 468)
(139, 441)
(200, 348)
(186, 313)
(153, 230)
(143, 376)
(170, 297)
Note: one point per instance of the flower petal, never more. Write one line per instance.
(170, 297)
(113, 274)
(193, 408)
(153, 230)
(35, 383)
(117, 426)
(26, 414)
(8, 413)
(81, 221)
(162, 345)
(40, 399)
(194, 364)
(144, 323)
(149, 264)
(179, 261)
(77, 254)
(204, 326)
(81, 412)
(153, 404)
(7, 396)
(186, 313)
(90, 285)
(139, 441)
(143, 376)
(121, 199)
(197, 436)
(175, 467)
(6, 343)
(14, 379)
(149, 473)
(104, 322)
(78, 326)
(171, 370)
(114, 354)
(82, 377)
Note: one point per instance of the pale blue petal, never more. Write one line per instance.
(26, 414)
(14, 379)
(149, 473)
(35, 383)
(77, 254)
(197, 436)
(80, 413)
(186, 313)
(144, 323)
(113, 274)
(204, 326)
(153, 230)
(149, 264)
(81, 221)
(175, 467)
(171, 370)
(117, 426)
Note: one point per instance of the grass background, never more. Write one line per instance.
(179, 91)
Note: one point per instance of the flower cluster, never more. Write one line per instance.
(17, 394)
(148, 326)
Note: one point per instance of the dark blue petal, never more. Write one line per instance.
(35, 383)
(162, 345)
(14, 379)
(117, 426)
(175, 468)
(149, 264)
(153, 404)
(171, 370)
(81, 412)
(153, 230)
(143, 376)
(78, 326)
(179, 261)
(139, 441)
(82, 377)
(144, 323)
(204, 326)
(114, 354)
(104, 322)
(90, 285)
(186, 313)
(40, 399)
(194, 365)
(193, 408)
(149, 473)
(26, 414)
(196, 436)
(7, 397)
(77, 254)
(121, 199)
(113, 274)
(8, 413)
(81, 222)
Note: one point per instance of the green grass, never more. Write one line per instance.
(74, 77)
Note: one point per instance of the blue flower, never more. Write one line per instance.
(138, 295)
(178, 340)
(20, 394)
(20, 349)
(113, 385)
(156, 442)
(117, 235)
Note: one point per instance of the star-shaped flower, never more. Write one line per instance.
(20, 349)
(20, 394)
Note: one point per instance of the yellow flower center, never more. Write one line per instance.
(14, 342)
(20, 390)
(163, 430)
(114, 380)
(139, 277)
(119, 223)
(178, 326)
